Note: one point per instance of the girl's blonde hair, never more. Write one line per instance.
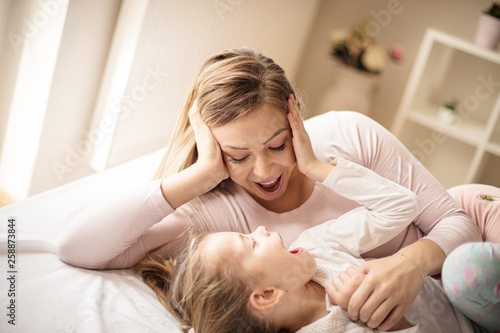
(229, 86)
(208, 294)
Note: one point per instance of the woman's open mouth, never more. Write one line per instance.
(272, 186)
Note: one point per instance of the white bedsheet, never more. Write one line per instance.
(51, 296)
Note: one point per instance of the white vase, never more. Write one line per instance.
(446, 115)
(351, 90)
(487, 31)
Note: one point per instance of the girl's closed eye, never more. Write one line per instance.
(254, 242)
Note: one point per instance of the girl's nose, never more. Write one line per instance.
(263, 230)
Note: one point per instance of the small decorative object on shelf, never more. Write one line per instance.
(358, 49)
(358, 61)
(447, 111)
(488, 27)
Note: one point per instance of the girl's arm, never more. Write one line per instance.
(386, 209)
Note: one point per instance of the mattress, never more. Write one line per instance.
(40, 293)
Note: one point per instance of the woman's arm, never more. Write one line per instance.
(392, 282)
(119, 231)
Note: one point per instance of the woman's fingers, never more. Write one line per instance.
(392, 319)
(301, 143)
(209, 151)
(390, 287)
(199, 127)
(358, 299)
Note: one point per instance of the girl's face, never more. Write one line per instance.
(258, 152)
(264, 258)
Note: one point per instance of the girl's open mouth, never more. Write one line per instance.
(272, 186)
(298, 250)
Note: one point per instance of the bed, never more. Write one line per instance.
(42, 294)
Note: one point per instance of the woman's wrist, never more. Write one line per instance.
(188, 184)
(426, 255)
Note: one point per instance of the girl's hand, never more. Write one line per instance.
(209, 152)
(307, 162)
(343, 286)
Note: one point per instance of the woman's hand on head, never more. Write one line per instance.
(379, 293)
(209, 152)
(307, 162)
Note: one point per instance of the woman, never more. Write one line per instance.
(241, 157)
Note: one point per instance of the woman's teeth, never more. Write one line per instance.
(271, 185)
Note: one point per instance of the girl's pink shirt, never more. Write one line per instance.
(119, 232)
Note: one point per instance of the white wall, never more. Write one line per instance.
(406, 27)
(175, 38)
(29, 54)
(78, 73)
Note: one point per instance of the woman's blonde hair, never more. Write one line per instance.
(210, 295)
(229, 86)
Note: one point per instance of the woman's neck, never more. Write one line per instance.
(307, 308)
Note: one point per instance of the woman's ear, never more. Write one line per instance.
(264, 299)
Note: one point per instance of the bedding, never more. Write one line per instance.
(40, 293)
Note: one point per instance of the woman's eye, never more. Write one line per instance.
(254, 242)
(237, 160)
(280, 148)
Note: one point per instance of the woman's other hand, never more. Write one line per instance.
(307, 162)
(209, 152)
(202, 176)
(379, 293)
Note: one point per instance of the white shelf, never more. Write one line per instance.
(470, 132)
(463, 45)
(493, 148)
(447, 67)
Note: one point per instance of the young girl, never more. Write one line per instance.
(241, 157)
(232, 282)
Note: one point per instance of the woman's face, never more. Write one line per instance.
(263, 256)
(258, 151)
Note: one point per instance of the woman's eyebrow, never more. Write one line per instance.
(264, 143)
(274, 135)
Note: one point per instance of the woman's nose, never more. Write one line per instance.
(262, 167)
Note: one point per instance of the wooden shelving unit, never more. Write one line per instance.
(467, 149)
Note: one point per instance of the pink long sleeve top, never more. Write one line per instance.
(118, 232)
